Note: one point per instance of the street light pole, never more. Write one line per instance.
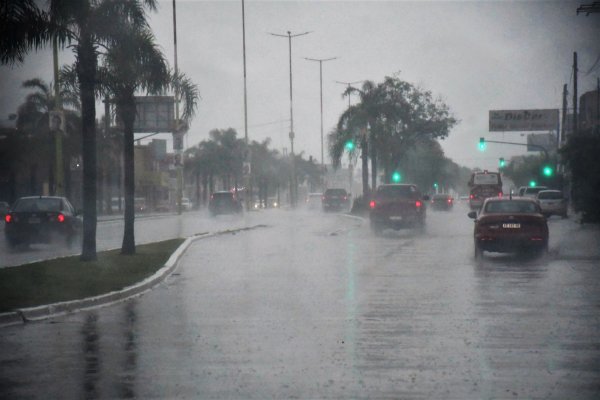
(177, 140)
(289, 36)
(320, 61)
(59, 171)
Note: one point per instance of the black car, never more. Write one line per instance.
(224, 203)
(42, 219)
(397, 206)
(442, 202)
(335, 199)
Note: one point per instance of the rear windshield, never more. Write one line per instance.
(440, 196)
(393, 191)
(511, 206)
(534, 190)
(550, 195)
(36, 204)
(335, 192)
(223, 196)
(486, 179)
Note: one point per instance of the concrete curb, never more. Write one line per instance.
(39, 313)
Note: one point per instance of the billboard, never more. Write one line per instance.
(523, 120)
(154, 114)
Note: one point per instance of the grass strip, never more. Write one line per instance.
(68, 278)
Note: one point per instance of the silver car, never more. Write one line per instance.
(552, 202)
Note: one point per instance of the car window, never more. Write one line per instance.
(335, 192)
(38, 204)
(547, 195)
(397, 191)
(513, 206)
(534, 190)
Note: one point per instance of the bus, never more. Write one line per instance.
(483, 185)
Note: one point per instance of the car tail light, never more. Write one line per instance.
(500, 194)
(372, 204)
(60, 218)
(449, 201)
(322, 197)
(471, 196)
(8, 218)
(345, 198)
(418, 204)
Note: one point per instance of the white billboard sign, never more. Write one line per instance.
(523, 120)
(154, 114)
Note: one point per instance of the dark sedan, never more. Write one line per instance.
(442, 202)
(42, 219)
(223, 202)
(509, 224)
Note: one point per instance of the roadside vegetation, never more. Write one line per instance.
(70, 278)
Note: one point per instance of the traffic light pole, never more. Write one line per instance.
(522, 144)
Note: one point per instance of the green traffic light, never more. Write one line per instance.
(501, 163)
(349, 145)
(482, 144)
(532, 183)
(548, 171)
(396, 177)
(435, 185)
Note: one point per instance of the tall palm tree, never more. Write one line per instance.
(84, 25)
(134, 63)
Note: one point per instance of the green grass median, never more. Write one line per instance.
(68, 278)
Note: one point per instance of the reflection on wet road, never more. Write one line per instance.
(316, 306)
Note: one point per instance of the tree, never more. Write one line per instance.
(84, 25)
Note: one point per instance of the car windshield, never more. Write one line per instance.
(550, 195)
(534, 190)
(335, 192)
(38, 204)
(397, 191)
(510, 206)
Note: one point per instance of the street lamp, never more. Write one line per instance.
(289, 36)
(349, 85)
(320, 61)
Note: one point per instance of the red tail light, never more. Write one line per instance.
(449, 201)
(372, 204)
(471, 196)
(418, 204)
(500, 194)
(60, 218)
(8, 218)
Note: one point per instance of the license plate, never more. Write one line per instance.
(511, 226)
(34, 220)
(396, 218)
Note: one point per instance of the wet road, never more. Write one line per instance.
(315, 306)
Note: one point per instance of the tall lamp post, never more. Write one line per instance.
(320, 61)
(177, 135)
(289, 36)
(349, 85)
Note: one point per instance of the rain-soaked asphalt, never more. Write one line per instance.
(314, 306)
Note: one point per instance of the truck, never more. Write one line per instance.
(483, 184)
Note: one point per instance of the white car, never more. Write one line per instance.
(552, 202)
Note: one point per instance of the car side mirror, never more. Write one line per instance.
(472, 214)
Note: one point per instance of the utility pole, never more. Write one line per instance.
(248, 190)
(598, 107)
(564, 116)
(320, 61)
(177, 140)
(59, 171)
(293, 188)
(349, 85)
(575, 117)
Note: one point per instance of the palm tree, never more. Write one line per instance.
(85, 25)
(133, 63)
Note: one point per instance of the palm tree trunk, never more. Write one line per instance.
(127, 112)
(86, 71)
(365, 168)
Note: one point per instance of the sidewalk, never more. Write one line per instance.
(579, 241)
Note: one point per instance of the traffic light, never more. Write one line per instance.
(501, 162)
(435, 185)
(396, 177)
(349, 145)
(482, 144)
(532, 183)
(548, 171)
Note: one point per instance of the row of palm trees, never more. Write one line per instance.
(217, 163)
(391, 120)
(115, 56)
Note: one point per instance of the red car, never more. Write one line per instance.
(509, 224)
(397, 206)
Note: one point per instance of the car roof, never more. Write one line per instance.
(40, 197)
(550, 191)
(511, 198)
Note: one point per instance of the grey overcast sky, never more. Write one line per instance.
(477, 56)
